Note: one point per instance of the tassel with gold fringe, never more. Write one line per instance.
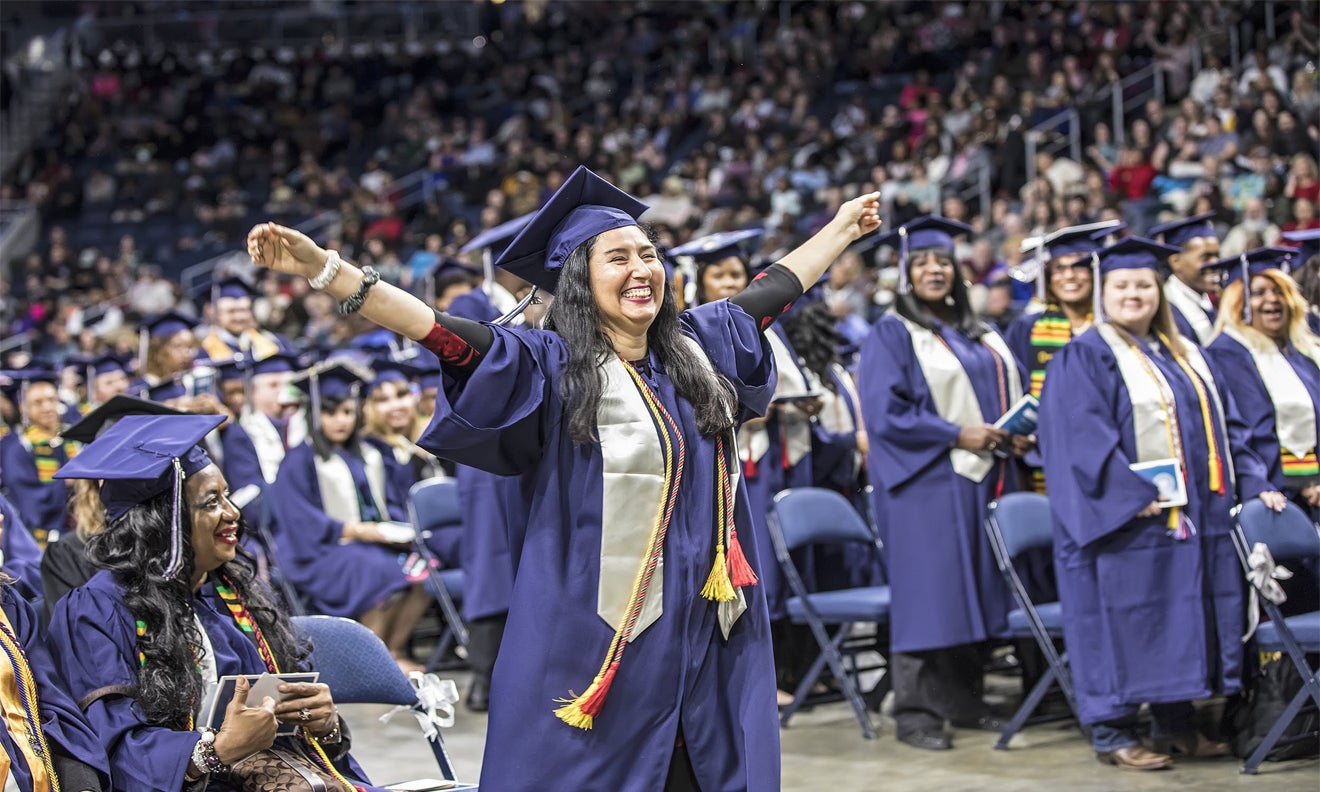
(581, 712)
(718, 586)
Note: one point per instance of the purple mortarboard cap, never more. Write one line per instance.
(1130, 253)
(107, 414)
(1179, 232)
(430, 376)
(719, 246)
(1083, 239)
(14, 381)
(930, 232)
(140, 458)
(338, 380)
(234, 287)
(167, 391)
(167, 324)
(499, 235)
(277, 363)
(105, 364)
(1309, 241)
(1252, 262)
(584, 206)
(388, 369)
(233, 369)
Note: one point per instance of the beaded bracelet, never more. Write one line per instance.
(354, 302)
(328, 272)
(204, 755)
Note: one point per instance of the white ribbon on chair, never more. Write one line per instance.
(1264, 576)
(434, 709)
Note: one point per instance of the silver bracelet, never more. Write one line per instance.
(328, 272)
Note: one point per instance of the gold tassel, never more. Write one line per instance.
(581, 712)
(718, 586)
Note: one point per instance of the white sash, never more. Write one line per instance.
(1294, 413)
(794, 426)
(266, 440)
(835, 417)
(631, 499)
(1182, 297)
(955, 398)
(339, 495)
(1150, 421)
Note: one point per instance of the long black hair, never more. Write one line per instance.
(576, 318)
(811, 333)
(323, 447)
(965, 319)
(135, 548)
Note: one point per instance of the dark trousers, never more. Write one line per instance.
(681, 776)
(936, 685)
(484, 637)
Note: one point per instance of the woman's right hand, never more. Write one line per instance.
(246, 730)
(1153, 510)
(981, 438)
(284, 249)
(1311, 494)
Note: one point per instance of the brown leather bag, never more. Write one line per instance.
(279, 770)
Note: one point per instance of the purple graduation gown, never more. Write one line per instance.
(67, 731)
(22, 553)
(491, 506)
(1185, 327)
(93, 638)
(947, 589)
(680, 675)
(41, 505)
(1253, 400)
(339, 579)
(1147, 618)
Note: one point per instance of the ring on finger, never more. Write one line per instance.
(304, 714)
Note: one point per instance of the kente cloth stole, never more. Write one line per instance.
(1050, 332)
(22, 713)
(953, 394)
(644, 459)
(1294, 413)
(42, 445)
(1155, 413)
(339, 492)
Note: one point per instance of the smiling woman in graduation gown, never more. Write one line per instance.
(637, 566)
(1152, 598)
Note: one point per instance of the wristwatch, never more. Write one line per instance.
(204, 756)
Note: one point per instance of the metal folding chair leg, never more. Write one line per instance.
(847, 683)
(1310, 690)
(448, 610)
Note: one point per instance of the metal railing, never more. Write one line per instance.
(976, 188)
(1131, 93)
(1054, 134)
(45, 84)
(19, 227)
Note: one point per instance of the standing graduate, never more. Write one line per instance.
(62, 752)
(174, 608)
(1187, 289)
(32, 453)
(638, 565)
(334, 495)
(1152, 592)
(255, 444)
(933, 378)
(1273, 359)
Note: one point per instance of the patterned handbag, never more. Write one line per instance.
(279, 770)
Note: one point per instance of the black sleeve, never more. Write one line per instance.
(72, 773)
(769, 294)
(459, 343)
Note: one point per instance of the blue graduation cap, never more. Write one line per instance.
(276, 363)
(718, 246)
(499, 235)
(584, 205)
(1179, 232)
(1251, 262)
(166, 391)
(142, 457)
(387, 368)
(105, 415)
(233, 287)
(15, 382)
(1130, 253)
(337, 379)
(930, 232)
(167, 324)
(429, 376)
(1079, 239)
(233, 369)
(1309, 240)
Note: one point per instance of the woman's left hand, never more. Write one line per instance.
(1275, 500)
(860, 216)
(307, 704)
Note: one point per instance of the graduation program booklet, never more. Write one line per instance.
(1166, 475)
(261, 685)
(1021, 417)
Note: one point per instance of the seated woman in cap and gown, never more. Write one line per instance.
(255, 444)
(638, 565)
(62, 752)
(1146, 455)
(392, 423)
(174, 608)
(933, 379)
(335, 507)
(32, 454)
(1188, 286)
(166, 352)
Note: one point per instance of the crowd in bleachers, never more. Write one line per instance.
(719, 117)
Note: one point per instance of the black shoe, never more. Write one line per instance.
(478, 697)
(984, 723)
(928, 741)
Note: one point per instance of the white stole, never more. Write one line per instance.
(339, 494)
(835, 416)
(1151, 420)
(794, 426)
(955, 398)
(632, 496)
(1182, 297)
(1294, 413)
(266, 441)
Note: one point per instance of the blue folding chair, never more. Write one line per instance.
(433, 509)
(359, 669)
(1289, 535)
(814, 516)
(1020, 523)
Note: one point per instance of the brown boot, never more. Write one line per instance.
(1194, 746)
(1135, 757)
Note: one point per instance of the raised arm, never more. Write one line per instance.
(855, 218)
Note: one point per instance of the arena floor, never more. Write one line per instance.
(823, 750)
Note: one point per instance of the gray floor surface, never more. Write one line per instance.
(823, 750)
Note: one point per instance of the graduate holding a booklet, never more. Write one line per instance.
(174, 611)
(1145, 456)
